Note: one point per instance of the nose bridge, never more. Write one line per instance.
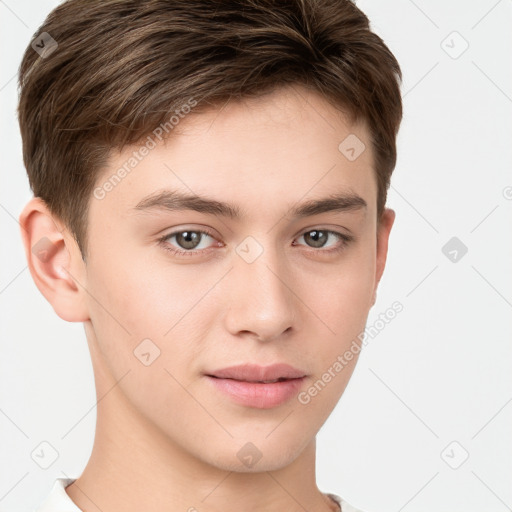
(261, 300)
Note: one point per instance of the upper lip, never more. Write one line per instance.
(255, 373)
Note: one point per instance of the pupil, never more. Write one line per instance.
(188, 239)
(318, 237)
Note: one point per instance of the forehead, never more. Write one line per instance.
(276, 149)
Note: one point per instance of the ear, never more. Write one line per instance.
(383, 229)
(54, 261)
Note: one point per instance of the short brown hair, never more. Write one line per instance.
(122, 66)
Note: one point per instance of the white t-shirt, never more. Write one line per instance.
(59, 501)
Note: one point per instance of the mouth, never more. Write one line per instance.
(255, 373)
(280, 379)
(257, 386)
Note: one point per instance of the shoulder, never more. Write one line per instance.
(58, 500)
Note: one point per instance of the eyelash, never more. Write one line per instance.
(163, 241)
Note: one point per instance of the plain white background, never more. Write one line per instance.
(426, 419)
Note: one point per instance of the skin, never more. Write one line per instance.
(165, 439)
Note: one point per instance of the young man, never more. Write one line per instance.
(209, 187)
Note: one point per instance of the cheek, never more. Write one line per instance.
(134, 300)
(342, 295)
(141, 295)
(124, 306)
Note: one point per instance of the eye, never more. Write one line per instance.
(189, 240)
(317, 238)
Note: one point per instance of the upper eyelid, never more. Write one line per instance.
(210, 231)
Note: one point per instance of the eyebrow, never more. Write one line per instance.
(169, 200)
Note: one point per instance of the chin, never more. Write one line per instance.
(258, 455)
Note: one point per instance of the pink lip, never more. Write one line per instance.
(243, 384)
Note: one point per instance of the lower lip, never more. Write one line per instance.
(258, 395)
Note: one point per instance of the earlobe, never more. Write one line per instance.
(383, 230)
(53, 261)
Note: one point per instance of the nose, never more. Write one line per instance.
(261, 301)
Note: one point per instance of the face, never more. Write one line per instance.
(258, 270)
